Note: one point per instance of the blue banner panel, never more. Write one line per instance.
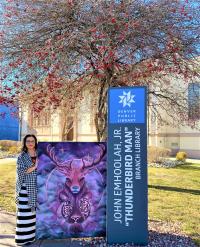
(127, 166)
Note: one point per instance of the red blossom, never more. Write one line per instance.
(113, 20)
(44, 67)
(94, 29)
(15, 84)
(7, 15)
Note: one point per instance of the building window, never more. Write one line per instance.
(194, 101)
(42, 120)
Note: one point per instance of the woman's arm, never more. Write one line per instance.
(32, 168)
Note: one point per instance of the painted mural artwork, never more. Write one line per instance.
(71, 190)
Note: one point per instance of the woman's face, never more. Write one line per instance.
(30, 142)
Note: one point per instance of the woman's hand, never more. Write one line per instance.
(30, 169)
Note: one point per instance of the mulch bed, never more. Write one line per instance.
(160, 235)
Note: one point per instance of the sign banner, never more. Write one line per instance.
(127, 166)
(71, 190)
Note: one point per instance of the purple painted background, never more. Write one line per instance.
(71, 190)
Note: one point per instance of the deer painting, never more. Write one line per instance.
(72, 189)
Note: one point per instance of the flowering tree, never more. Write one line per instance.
(54, 49)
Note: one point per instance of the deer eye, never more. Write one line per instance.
(68, 180)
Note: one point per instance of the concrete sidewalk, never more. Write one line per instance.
(7, 234)
(193, 161)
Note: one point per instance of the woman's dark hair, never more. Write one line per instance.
(24, 148)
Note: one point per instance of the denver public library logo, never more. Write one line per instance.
(127, 99)
(126, 115)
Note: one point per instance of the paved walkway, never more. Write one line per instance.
(7, 237)
(194, 161)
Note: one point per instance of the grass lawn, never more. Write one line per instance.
(7, 187)
(174, 195)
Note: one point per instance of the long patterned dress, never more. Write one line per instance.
(26, 217)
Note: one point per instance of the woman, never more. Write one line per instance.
(26, 191)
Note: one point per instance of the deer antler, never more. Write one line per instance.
(89, 162)
(59, 163)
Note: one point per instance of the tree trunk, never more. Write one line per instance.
(101, 115)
